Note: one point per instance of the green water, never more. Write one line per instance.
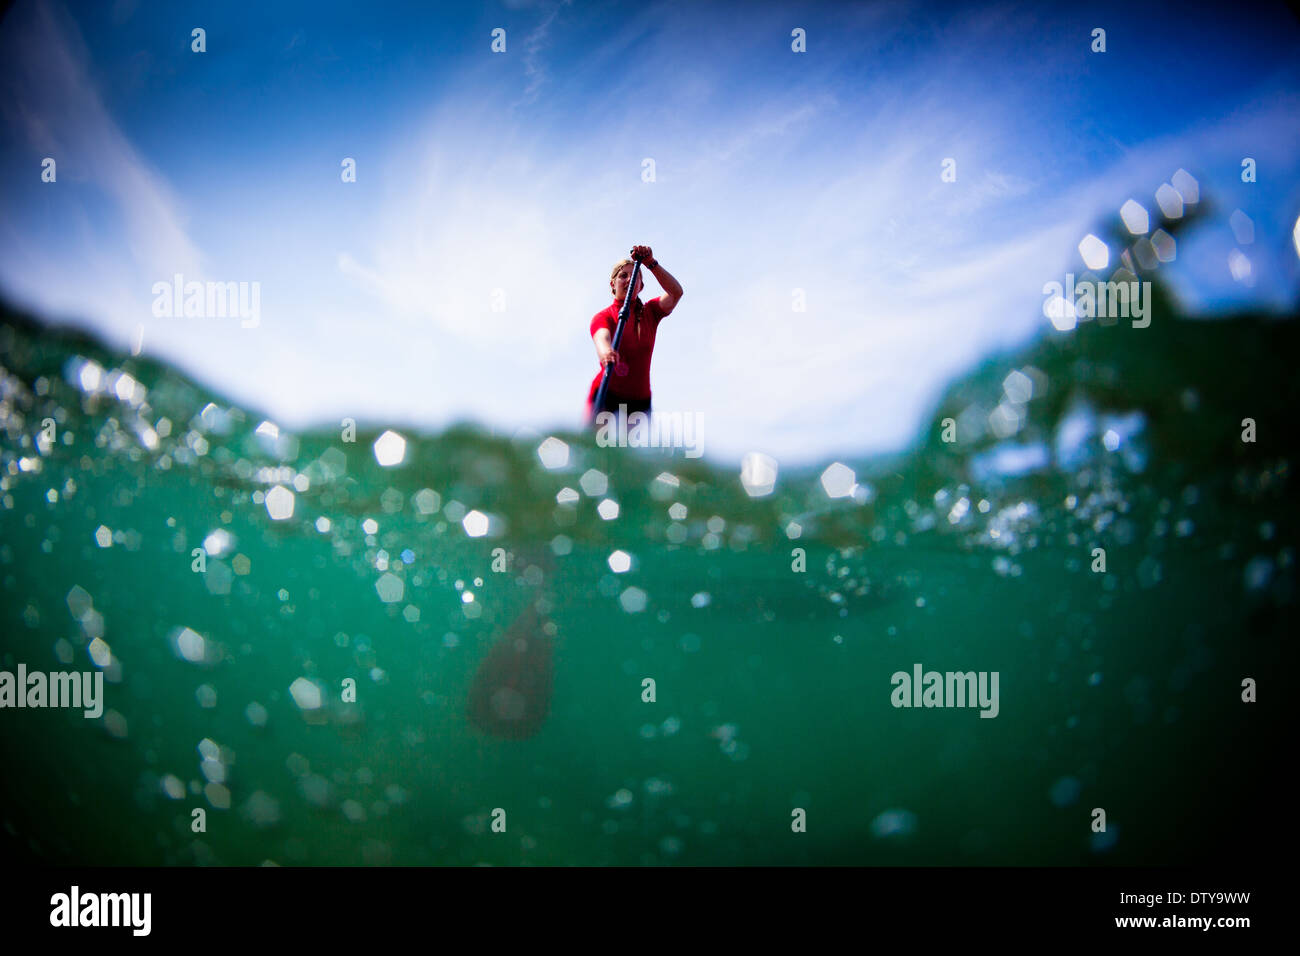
(1119, 690)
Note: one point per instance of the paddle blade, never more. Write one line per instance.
(511, 693)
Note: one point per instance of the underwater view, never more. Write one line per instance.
(959, 529)
(360, 646)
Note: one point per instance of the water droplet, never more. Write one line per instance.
(390, 449)
(758, 474)
(633, 600)
(838, 480)
(594, 483)
(893, 823)
(279, 503)
(475, 524)
(1136, 219)
(553, 453)
(1095, 253)
(306, 694)
(391, 588)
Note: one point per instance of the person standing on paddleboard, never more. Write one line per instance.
(630, 377)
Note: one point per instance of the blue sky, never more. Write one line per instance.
(521, 172)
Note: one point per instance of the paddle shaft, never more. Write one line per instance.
(599, 402)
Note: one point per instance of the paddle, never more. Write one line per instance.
(599, 402)
(510, 696)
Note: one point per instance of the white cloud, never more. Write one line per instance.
(104, 266)
(908, 280)
(534, 45)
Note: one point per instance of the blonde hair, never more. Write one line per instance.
(618, 267)
(636, 311)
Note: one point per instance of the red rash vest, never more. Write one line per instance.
(635, 350)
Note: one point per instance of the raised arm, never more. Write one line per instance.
(672, 288)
